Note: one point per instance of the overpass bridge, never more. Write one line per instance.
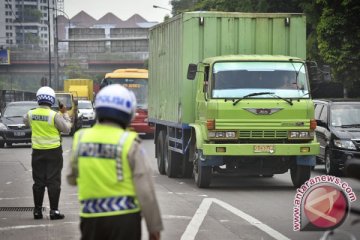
(28, 67)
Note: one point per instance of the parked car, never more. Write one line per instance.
(338, 132)
(86, 111)
(12, 128)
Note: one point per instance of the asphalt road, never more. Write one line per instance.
(251, 208)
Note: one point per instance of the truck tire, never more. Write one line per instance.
(172, 161)
(300, 174)
(160, 152)
(202, 175)
(2, 144)
(187, 169)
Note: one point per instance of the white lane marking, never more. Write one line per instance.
(195, 223)
(25, 227)
(175, 217)
(32, 226)
(190, 194)
(8, 183)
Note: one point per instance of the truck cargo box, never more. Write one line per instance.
(193, 36)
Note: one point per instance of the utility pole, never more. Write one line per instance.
(49, 39)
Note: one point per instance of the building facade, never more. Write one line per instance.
(25, 24)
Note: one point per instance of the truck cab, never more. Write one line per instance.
(257, 108)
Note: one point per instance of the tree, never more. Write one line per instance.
(338, 37)
(74, 70)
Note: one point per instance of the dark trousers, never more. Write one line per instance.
(121, 227)
(46, 172)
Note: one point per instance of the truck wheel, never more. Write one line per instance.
(300, 174)
(330, 167)
(172, 160)
(2, 144)
(8, 144)
(187, 168)
(160, 152)
(202, 175)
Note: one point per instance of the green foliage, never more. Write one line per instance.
(74, 70)
(338, 37)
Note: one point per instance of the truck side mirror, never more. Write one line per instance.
(192, 69)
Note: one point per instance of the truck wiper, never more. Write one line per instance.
(289, 101)
(251, 95)
(356, 125)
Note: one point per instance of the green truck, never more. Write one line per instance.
(229, 94)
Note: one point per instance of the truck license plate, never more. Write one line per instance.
(19, 134)
(264, 149)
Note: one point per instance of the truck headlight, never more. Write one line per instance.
(347, 144)
(222, 134)
(301, 135)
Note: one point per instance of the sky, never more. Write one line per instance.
(123, 9)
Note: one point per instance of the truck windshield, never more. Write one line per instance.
(137, 85)
(238, 79)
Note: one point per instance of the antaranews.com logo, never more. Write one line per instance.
(321, 203)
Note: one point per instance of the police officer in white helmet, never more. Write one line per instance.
(112, 172)
(47, 160)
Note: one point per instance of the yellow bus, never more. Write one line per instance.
(135, 80)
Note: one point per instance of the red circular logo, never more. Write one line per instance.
(326, 206)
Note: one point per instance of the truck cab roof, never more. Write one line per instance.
(280, 58)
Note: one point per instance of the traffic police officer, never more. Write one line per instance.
(47, 159)
(112, 172)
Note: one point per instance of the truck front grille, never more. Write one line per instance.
(262, 134)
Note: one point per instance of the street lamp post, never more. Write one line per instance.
(156, 6)
(56, 47)
(49, 43)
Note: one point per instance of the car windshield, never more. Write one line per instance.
(14, 110)
(238, 79)
(64, 99)
(85, 105)
(343, 115)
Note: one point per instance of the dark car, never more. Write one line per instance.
(12, 127)
(338, 132)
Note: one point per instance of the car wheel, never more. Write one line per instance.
(2, 144)
(330, 167)
(300, 174)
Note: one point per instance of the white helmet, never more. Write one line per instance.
(46, 95)
(115, 102)
(134, 104)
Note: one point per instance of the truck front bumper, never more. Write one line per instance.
(294, 149)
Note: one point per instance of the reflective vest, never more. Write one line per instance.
(44, 134)
(105, 185)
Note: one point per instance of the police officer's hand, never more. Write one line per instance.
(154, 236)
(63, 109)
